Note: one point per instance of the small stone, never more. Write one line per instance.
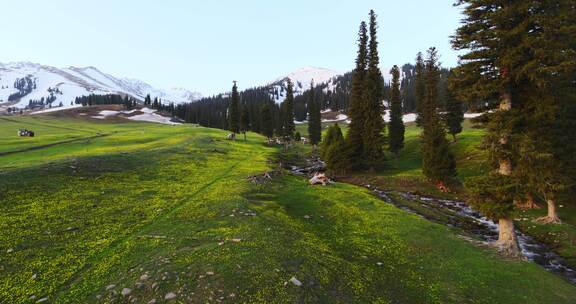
(110, 286)
(379, 263)
(32, 297)
(295, 281)
(126, 291)
(10, 250)
(210, 273)
(139, 285)
(236, 240)
(42, 300)
(144, 277)
(153, 301)
(33, 276)
(170, 296)
(154, 285)
(220, 243)
(232, 295)
(307, 216)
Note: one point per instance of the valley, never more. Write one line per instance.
(151, 212)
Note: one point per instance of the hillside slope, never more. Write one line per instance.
(151, 212)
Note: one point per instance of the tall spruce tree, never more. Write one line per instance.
(357, 104)
(454, 113)
(234, 111)
(267, 120)
(396, 125)
(374, 126)
(314, 118)
(546, 163)
(419, 87)
(438, 163)
(244, 120)
(287, 110)
(494, 67)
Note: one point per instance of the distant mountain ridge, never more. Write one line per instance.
(21, 82)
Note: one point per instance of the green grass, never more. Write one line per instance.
(174, 203)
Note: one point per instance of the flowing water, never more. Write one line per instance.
(460, 215)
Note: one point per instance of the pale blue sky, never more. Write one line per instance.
(204, 45)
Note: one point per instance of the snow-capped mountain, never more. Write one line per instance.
(328, 79)
(301, 79)
(22, 82)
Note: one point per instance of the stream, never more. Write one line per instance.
(460, 215)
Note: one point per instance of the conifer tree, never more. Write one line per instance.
(374, 126)
(437, 161)
(234, 111)
(333, 134)
(267, 120)
(419, 87)
(147, 100)
(287, 110)
(334, 150)
(244, 120)
(494, 67)
(454, 114)
(396, 125)
(314, 118)
(357, 104)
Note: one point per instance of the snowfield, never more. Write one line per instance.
(148, 115)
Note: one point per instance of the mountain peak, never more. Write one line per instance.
(73, 82)
(306, 74)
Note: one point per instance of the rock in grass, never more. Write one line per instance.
(42, 300)
(295, 281)
(10, 250)
(153, 301)
(144, 277)
(110, 286)
(126, 291)
(170, 296)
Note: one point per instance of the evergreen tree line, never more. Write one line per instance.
(157, 104)
(92, 100)
(212, 111)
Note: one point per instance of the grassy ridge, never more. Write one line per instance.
(162, 209)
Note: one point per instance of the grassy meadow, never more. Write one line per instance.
(131, 212)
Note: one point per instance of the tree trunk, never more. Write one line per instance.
(244, 136)
(529, 204)
(453, 138)
(505, 167)
(507, 242)
(552, 217)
